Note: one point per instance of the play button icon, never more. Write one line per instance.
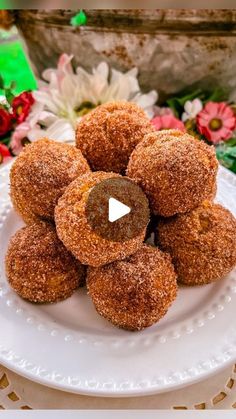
(117, 209)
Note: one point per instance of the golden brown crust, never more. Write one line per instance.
(22, 208)
(38, 266)
(202, 243)
(40, 175)
(136, 292)
(108, 134)
(175, 170)
(75, 231)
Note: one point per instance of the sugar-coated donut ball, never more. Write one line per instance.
(202, 243)
(108, 134)
(38, 266)
(40, 175)
(136, 292)
(175, 170)
(75, 231)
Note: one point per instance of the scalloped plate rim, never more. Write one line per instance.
(135, 391)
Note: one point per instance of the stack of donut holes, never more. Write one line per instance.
(132, 284)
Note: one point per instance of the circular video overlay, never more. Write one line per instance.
(117, 209)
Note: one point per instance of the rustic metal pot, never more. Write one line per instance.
(172, 49)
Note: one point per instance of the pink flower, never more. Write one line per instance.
(64, 63)
(216, 122)
(64, 68)
(160, 111)
(4, 153)
(19, 138)
(167, 122)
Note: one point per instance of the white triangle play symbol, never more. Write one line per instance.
(117, 210)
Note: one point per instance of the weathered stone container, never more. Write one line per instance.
(172, 49)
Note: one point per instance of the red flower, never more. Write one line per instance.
(216, 122)
(168, 122)
(5, 122)
(4, 153)
(21, 106)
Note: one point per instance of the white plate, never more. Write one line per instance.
(68, 346)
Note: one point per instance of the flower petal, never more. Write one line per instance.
(102, 69)
(188, 107)
(211, 108)
(230, 123)
(61, 131)
(146, 100)
(185, 116)
(197, 106)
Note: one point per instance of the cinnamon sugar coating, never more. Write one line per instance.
(202, 243)
(38, 266)
(108, 134)
(75, 231)
(40, 175)
(175, 170)
(136, 292)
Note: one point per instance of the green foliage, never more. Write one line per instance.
(226, 154)
(8, 91)
(9, 95)
(1, 82)
(15, 66)
(177, 103)
(5, 140)
(231, 142)
(218, 95)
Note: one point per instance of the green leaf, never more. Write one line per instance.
(227, 156)
(231, 142)
(231, 152)
(9, 95)
(13, 85)
(190, 96)
(218, 95)
(1, 82)
(5, 140)
(177, 103)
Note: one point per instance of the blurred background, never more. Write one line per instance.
(13, 62)
(172, 48)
